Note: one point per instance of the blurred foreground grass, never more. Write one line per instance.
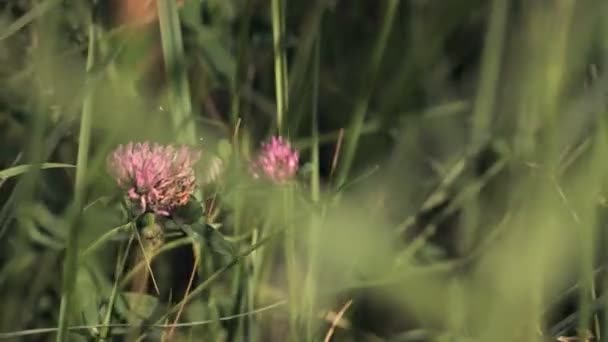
(452, 181)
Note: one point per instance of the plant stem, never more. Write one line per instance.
(315, 196)
(289, 245)
(70, 265)
(490, 70)
(362, 104)
(280, 67)
(242, 62)
(176, 71)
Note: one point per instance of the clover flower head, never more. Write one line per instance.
(277, 161)
(157, 178)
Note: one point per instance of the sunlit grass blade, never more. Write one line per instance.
(20, 169)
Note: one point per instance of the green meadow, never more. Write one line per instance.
(292, 170)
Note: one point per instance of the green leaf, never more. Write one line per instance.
(19, 169)
(214, 240)
(191, 212)
(89, 298)
(36, 235)
(136, 307)
(224, 149)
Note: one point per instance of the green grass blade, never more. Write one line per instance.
(21, 169)
(28, 17)
(362, 104)
(242, 60)
(490, 70)
(107, 237)
(71, 258)
(280, 67)
(315, 225)
(175, 68)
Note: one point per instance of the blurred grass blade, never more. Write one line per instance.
(70, 269)
(315, 224)
(28, 17)
(175, 68)
(310, 29)
(242, 59)
(490, 71)
(20, 169)
(361, 106)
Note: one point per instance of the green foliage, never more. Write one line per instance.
(451, 183)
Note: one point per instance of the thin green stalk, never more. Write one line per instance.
(490, 70)
(280, 67)
(586, 224)
(177, 75)
(309, 32)
(71, 264)
(175, 68)
(289, 246)
(164, 248)
(106, 237)
(37, 10)
(260, 266)
(604, 302)
(123, 328)
(240, 279)
(284, 54)
(251, 288)
(362, 104)
(121, 264)
(314, 179)
(332, 136)
(315, 196)
(242, 59)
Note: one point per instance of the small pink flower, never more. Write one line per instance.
(157, 178)
(276, 161)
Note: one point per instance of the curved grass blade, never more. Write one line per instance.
(21, 169)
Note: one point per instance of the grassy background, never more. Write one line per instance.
(452, 182)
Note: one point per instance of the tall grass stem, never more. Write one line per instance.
(366, 90)
(70, 267)
(280, 67)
